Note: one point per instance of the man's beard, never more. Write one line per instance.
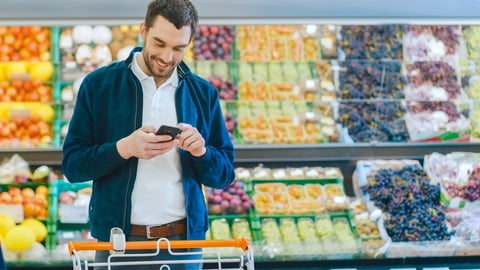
(149, 63)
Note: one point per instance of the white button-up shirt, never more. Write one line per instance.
(158, 196)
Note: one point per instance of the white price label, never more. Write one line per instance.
(436, 268)
(73, 213)
(68, 235)
(311, 29)
(339, 199)
(310, 115)
(309, 84)
(71, 64)
(13, 210)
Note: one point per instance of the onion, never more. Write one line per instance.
(102, 35)
(82, 34)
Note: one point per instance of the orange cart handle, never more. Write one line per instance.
(175, 244)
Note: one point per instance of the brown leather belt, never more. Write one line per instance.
(159, 231)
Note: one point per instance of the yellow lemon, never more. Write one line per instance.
(6, 223)
(18, 67)
(2, 71)
(47, 113)
(19, 238)
(42, 71)
(37, 227)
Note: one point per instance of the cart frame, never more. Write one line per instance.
(117, 247)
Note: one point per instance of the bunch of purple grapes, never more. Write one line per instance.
(423, 222)
(374, 121)
(439, 74)
(213, 42)
(371, 80)
(231, 124)
(412, 204)
(470, 192)
(227, 90)
(431, 106)
(372, 41)
(445, 33)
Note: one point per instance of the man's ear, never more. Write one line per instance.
(143, 31)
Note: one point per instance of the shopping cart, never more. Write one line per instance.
(210, 257)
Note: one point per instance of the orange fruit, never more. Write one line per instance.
(30, 210)
(41, 190)
(5, 197)
(14, 191)
(28, 193)
(17, 199)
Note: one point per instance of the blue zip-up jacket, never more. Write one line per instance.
(109, 108)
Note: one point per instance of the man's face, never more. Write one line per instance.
(164, 48)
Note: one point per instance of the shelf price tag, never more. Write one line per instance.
(13, 210)
(436, 268)
(73, 213)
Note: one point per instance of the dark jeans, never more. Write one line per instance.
(102, 257)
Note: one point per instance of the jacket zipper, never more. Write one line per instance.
(131, 163)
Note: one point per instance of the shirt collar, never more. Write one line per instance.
(173, 79)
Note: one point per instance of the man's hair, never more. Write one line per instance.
(179, 12)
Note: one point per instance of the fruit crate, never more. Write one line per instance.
(276, 81)
(221, 74)
(407, 249)
(298, 196)
(326, 73)
(467, 248)
(250, 235)
(459, 192)
(405, 234)
(382, 42)
(278, 43)
(281, 122)
(289, 237)
(75, 213)
(328, 41)
(231, 227)
(437, 81)
(214, 42)
(422, 43)
(23, 202)
(295, 198)
(66, 193)
(82, 48)
(28, 76)
(371, 79)
(436, 121)
(373, 121)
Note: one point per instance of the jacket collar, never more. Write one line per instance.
(182, 69)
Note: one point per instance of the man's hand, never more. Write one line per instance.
(144, 144)
(190, 140)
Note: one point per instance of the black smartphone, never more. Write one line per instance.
(168, 130)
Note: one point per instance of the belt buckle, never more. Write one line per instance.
(148, 227)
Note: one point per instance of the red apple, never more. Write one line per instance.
(67, 197)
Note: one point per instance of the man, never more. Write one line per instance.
(141, 179)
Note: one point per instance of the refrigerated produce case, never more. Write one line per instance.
(342, 155)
